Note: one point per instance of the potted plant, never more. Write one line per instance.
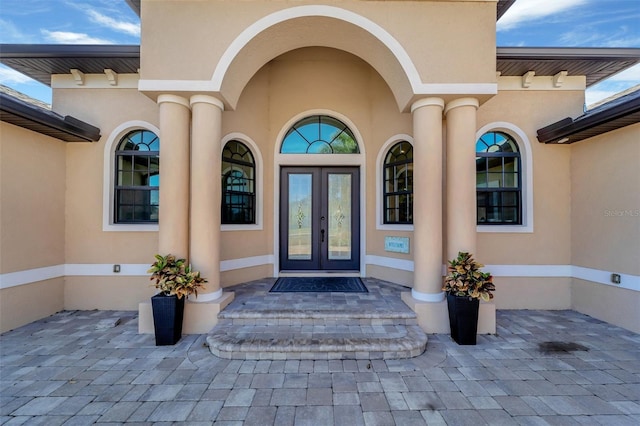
(465, 284)
(176, 281)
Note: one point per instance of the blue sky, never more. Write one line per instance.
(539, 23)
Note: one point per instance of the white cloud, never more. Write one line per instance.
(120, 26)
(10, 76)
(66, 37)
(9, 33)
(531, 10)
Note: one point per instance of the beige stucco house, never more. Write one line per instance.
(368, 138)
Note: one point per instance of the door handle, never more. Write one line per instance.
(322, 235)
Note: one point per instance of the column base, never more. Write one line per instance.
(199, 317)
(433, 317)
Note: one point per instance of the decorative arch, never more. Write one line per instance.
(108, 187)
(526, 158)
(293, 28)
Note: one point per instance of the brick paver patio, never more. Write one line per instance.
(92, 367)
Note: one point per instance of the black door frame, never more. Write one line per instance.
(319, 260)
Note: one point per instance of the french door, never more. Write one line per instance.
(320, 219)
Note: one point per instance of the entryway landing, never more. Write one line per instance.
(263, 325)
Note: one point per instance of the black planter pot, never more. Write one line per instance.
(168, 312)
(463, 319)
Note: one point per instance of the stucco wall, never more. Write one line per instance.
(605, 218)
(32, 221)
(432, 32)
(549, 243)
(26, 303)
(86, 242)
(605, 207)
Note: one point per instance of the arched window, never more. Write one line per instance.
(398, 184)
(319, 134)
(137, 178)
(498, 180)
(238, 184)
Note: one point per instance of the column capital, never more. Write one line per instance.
(206, 99)
(174, 99)
(460, 102)
(427, 102)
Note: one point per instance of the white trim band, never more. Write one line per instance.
(389, 262)
(427, 297)
(12, 279)
(247, 262)
(29, 276)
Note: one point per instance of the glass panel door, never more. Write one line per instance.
(339, 204)
(319, 218)
(300, 216)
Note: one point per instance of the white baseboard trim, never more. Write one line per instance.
(12, 279)
(246, 262)
(389, 262)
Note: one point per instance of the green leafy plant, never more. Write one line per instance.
(465, 279)
(174, 276)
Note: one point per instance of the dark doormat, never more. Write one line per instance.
(319, 285)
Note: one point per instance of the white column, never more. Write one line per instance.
(173, 235)
(206, 192)
(427, 200)
(461, 176)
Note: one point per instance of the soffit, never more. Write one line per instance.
(40, 61)
(596, 64)
(503, 6)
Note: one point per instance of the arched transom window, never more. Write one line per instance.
(319, 134)
(238, 184)
(137, 178)
(498, 180)
(398, 184)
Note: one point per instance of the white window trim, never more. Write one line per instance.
(108, 183)
(526, 162)
(382, 154)
(257, 157)
(318, 160)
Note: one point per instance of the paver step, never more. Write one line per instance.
(232, 341)
(317, 317)
(260, 324)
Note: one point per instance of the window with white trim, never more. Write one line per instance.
(238, 184)
(498, 180)
(137, 178)
(398, 184)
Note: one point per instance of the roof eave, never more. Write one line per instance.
(76, 130)
(568, 128)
